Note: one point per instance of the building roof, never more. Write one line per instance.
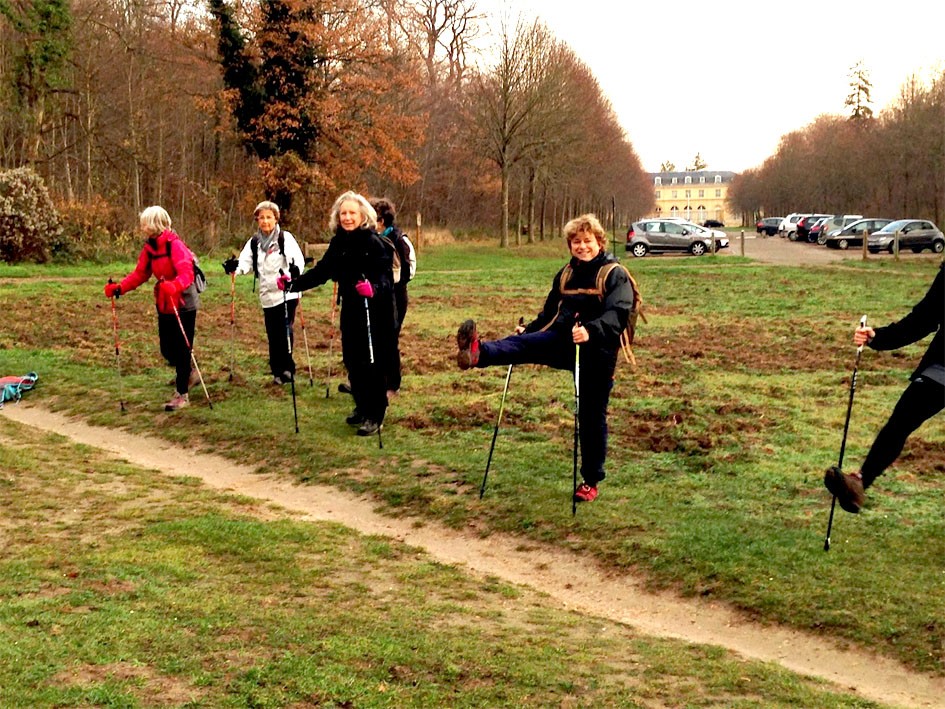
(709, 175)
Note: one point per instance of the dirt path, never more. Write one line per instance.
(547, 569)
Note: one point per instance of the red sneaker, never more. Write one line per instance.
(585, 493)
(467, 340)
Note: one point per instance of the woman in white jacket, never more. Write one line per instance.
(270, 250)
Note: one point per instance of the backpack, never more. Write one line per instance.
(402, 249)
(200, 278)
(627, 336)
(12, 388)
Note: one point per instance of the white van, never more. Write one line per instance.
(833, 225)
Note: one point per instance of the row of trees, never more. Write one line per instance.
(892, 165)
(206, 108)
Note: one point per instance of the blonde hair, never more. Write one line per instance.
(155, 220)
(588, 223)
(266, 204)
(368, 215)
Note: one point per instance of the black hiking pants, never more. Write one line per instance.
(280, 359)
(921, 400)
(173, 346)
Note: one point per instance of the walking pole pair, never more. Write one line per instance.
(193, 360)
(121, 385)
(308, 357)
(846, 428)
(288, 343)
(498, 420)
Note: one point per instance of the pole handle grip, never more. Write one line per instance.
(862, 324)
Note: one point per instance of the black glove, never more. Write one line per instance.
(230, 265)
(294, 271)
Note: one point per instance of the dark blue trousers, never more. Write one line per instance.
(555, 348)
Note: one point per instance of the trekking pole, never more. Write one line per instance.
(846, 428)
(121, 384)
(193, 360)
(308, 357)
(288, 343)
(495, 433)
(370, 346)
(232, 324)
(331, 337)
(577, 409)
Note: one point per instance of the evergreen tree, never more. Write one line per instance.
(859, 98)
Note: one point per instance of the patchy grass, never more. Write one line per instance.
(122, 587)
(719, 438)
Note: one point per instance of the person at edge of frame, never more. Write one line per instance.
(578, 315)
(921, 400)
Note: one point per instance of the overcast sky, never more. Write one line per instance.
(728, 78)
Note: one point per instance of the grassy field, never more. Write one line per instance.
(719, 439)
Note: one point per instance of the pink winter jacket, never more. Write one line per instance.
(154, 260)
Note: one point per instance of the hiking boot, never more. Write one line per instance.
(355, 419)
(287, 377)
(178, 401)
(344, 388)
(277, 380)
(585, 493)
(848, 489)
(369, 428)
(467, 340)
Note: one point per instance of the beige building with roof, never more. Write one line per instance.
(695, 195)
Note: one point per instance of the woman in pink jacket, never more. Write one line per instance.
(169, 260)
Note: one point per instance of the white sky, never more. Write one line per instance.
(728, 78)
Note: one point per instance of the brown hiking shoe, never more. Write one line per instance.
(467, 340)
(848, 489)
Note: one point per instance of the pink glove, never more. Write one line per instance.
(168, 296)
(364, 288)
(282, 282)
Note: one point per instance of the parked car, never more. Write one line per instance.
(713, 224)
(852, 233)
(768, 225)
(804, 225)
(836, 223)
(666, 235)
(788, 225)
(813, 236)
(914, 234)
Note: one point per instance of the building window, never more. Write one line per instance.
(718, 193)
(702, 193)
(657, 194)
(675, 180)
(688, 194)
(702, 212)
(674, 211)
(674, 194)
(718, 179)
(658, 181)
(701, 179)
(688, 179)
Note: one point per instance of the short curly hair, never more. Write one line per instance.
(586, 223)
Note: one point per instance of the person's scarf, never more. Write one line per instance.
(265, 241)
